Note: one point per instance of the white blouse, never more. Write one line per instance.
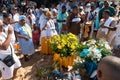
(50, 28)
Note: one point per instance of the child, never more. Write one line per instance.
(36, 35)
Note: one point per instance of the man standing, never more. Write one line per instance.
(107, 7)
(73, 21)
(61, 19)
(15, 16)
(7, 23)
(107, 27)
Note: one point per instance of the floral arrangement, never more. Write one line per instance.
(91, 52)
(64, 44)
(94, 50)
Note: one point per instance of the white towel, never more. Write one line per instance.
(107, 24)
(108, 21)
(76, 20)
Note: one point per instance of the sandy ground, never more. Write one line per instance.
(28, 71)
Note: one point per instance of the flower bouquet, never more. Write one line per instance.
(64, 46)
(91, 52)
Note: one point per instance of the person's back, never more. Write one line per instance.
(109, 68)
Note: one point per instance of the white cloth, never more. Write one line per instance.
(1, 17)
(97, 10)
(87, 9)
(42, 17)
(108, 21)
(89, 15)
(107, 24)
(59, 7)
(68, 7)
(6, 32)
(33, 18)
(43, 32)
(76, 20)
(117, 38)
(50, 28)
(7, 72)
(15, 18)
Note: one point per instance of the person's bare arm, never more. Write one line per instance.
(68, 22)
(21, 36)
(4, 45)
(112, 26)
(14, 22)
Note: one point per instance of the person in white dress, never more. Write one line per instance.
(6, 49)
(59, 6)
(15, 16)
(30, 20)
(42, 17)
(7, 20)
(48, 26)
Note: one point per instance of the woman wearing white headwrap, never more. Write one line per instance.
(30, 18)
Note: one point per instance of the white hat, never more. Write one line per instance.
(81, 7)
(88, 4)
(116, 3)
(54, 10)
(29, 10)
(22, 17)
(45, 9)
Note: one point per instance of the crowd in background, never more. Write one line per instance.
(86, 20)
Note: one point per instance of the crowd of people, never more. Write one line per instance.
(87, 20)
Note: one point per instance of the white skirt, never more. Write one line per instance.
(7, 72)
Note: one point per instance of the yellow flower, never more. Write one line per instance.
(59, 47)
(72, 46)
(96, 46)
(61, 55)
(63, 41)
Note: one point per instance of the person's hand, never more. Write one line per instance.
(26, 37)
(118, 47)
(113, 28)
(10, 30)
(44, 28)
(64, 20)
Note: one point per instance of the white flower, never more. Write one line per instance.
(107, 47)
(84, 43)
(94, 53)
(93, 41)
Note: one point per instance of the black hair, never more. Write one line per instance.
(63, 7)
(75, 7)
(107, 12)
(5, 15)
